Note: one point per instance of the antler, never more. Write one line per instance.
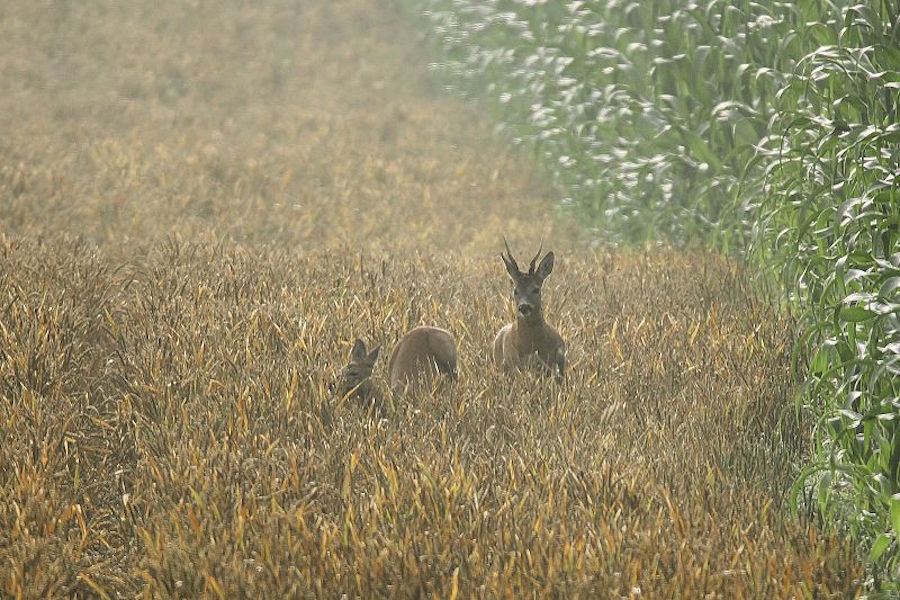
(512, 261)
(536, 256)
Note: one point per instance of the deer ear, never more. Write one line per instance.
(511, 268)
(373, 355)
(358, 352)
(546, 266)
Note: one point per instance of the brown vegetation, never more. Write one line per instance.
(168, 428)
(255, 185)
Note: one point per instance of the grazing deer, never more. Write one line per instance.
(529, 334)
(419, 356)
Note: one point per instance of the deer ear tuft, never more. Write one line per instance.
(358, 352)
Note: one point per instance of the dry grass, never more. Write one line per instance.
(167, 429)
(165, 425)
(302, 123)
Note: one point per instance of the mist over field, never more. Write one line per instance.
(203, 204)
(306, 124)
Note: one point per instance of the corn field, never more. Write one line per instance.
(768, 128)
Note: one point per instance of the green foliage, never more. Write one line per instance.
(647, 114)
(828, 216)
(768, 126)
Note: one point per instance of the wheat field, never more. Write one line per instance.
(204, 203)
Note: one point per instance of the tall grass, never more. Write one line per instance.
(167, 432)
(769, 126)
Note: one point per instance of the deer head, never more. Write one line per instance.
(527, 286)
(356, 374)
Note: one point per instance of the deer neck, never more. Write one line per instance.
(531, 323)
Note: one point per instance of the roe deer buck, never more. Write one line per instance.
(421, 354)
(529, 334)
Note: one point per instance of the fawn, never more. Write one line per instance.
(529, 334)
(419, 356)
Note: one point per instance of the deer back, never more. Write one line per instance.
(421, 354)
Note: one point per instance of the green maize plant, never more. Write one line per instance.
(828, 216)
(765, 128)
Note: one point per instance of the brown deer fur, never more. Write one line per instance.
(420, 355)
